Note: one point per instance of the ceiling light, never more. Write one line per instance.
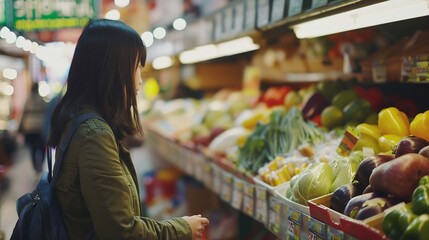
(179, 24)
(20, 41)
(8, 90)
(27, 45)
(113, 14)
(375, 14)
(11, 37)
(211, 51)
(159, 33)
(4, 32)
(147, 38)
(162, 62)
(10, 73)
(122, 3)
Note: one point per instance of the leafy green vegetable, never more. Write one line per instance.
(285, 132)
(314, 181)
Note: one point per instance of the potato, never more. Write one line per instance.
(400, 176)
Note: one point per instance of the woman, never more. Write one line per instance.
(97, 188)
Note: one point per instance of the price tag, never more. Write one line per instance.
(217, 180)
(284, 222)
(249, 199)
(379, 72)
(294, 224)
(239, 17)
(219, 26)
(189, 165)
(250, 16)
(228, 20)
(274, 215)
(278, 10)
(261, 204)
(348, 143)
(199, 167)
(318, 3)
(334, 234)
(316, 230)
(295, 7)
(263, 13)
(422, 69)
(237, 195)
(226, 194)
(207, 175)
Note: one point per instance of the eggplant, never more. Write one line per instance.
(410, 144)
(367, 165)
(375, 206)
(368, 189)
(424, 151)
(400, 176)
(355, 204)
(314, 105)
(342, 195)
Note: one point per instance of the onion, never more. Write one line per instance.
(367, 165)
(410, 144)
(342, 195)
(424, 151)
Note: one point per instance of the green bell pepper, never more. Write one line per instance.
(396, 222)
(418, 229)
(424, 180)
(420, 199)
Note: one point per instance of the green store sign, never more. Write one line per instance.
(33, 15)
(2, 12)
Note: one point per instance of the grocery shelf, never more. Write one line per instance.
(264, 203)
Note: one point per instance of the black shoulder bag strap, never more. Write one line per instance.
(62, 147)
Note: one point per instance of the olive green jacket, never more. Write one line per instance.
(98, 191)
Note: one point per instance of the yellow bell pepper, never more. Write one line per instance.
(392, 121)
(420, 125)
(388, 142)
(251, 122)
(371, 130)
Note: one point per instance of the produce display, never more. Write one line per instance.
(291, 138)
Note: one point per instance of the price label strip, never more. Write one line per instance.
(295, 7)
(316, 230)
(226, 194)
(334, 234)
(294, 224)
(278, 10)
(249, 199)
(263, 12)
(318, 3)
(274, 215)
(217, 180)
(261, 204)
(239, 17)
(198, 167)
(237, 195)
(207, 175)
(250, 17)
(189, 166)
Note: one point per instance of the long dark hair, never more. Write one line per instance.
(102, 75)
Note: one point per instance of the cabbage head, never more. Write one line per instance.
(314, 181)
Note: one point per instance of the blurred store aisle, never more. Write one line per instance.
(22, 179)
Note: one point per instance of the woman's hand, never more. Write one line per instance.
(197, 224)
